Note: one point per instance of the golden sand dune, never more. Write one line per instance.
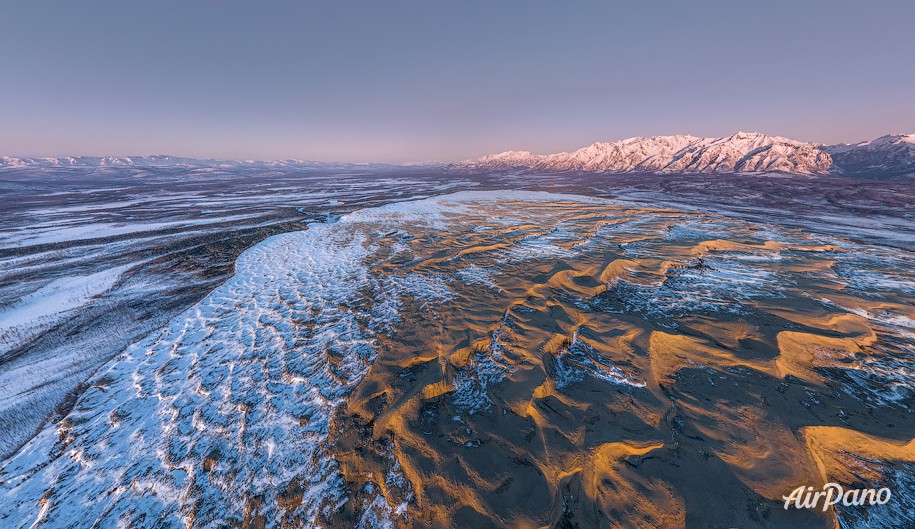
(670, 353)
(611, 372)
(802, 353)
(847, 456)
(720, 245)
(618, 493)
(651, 271)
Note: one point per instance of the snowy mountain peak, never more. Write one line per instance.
(890, 155)
(740, 152)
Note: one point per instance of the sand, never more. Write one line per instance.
(566, 397)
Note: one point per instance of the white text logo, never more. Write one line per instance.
(832, 493)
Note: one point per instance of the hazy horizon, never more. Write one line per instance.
(414, 82)
(406, 162)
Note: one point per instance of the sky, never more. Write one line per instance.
(410, 81)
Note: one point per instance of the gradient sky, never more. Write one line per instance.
(434, 80)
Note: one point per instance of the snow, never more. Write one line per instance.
(578, 360)
(740, 152)
(478, 276)
(242, 356)
(50, 303)
(44, 234)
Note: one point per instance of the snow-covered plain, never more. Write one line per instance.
(44, 307)
(173, 233)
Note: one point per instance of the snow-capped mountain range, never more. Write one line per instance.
(162, 160)
(892, 155)
(742, 152)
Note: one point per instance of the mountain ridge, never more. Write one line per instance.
(742, 152)
(162, 160)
